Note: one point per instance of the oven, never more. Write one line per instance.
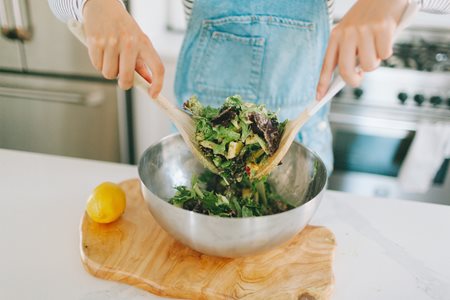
(374, 125)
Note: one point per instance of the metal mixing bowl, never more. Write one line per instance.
(301, 179)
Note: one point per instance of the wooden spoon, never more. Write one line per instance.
(293, 127)
(183, 121)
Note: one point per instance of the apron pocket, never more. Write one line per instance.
(228, 64)
(253, 55)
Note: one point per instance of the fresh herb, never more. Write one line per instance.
(210, 194)
(238, 137)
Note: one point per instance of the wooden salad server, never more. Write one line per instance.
(182, 120)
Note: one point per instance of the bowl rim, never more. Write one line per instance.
(172, 135)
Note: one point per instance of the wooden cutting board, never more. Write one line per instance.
(136, 251)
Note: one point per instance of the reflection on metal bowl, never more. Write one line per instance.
(301, 179)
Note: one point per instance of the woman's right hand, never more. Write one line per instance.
(118, 47)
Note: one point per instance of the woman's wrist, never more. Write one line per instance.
(87, 3)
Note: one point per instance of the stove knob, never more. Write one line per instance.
(436, 100)
(402, 96)
(419, 99)
(358, 92)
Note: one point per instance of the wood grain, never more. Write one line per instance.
(136, 251)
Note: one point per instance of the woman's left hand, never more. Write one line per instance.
(364, 35)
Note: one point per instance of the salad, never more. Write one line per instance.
(209, 194)
(237, 137)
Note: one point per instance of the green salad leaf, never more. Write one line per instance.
(237, 137)
(210, 194)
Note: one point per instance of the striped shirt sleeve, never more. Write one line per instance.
(435, 6)
(66, 10)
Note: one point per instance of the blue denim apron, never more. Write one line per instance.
(268, 52)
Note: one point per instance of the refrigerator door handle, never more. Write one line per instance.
(22, 21)
(4, 24)
(91, 99)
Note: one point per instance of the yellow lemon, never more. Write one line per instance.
(106, 203)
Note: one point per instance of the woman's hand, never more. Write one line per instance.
(364, 35)
(118, 47)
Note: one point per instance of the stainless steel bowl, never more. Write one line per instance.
(301, 179)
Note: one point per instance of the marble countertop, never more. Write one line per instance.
(387, 249)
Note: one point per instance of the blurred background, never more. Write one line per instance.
(53, 101)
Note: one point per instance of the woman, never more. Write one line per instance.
(279, 52)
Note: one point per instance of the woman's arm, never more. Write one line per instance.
(66, 10)
(117, 46)
(365, 35)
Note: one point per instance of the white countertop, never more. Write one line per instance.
(387, 249)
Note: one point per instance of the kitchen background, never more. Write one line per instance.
(53, 101)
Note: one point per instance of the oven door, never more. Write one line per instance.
(369, 153)
(77, 118)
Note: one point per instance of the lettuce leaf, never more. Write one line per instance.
(233, 134)
(209, 194)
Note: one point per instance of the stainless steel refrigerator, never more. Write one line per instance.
(51, 98)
